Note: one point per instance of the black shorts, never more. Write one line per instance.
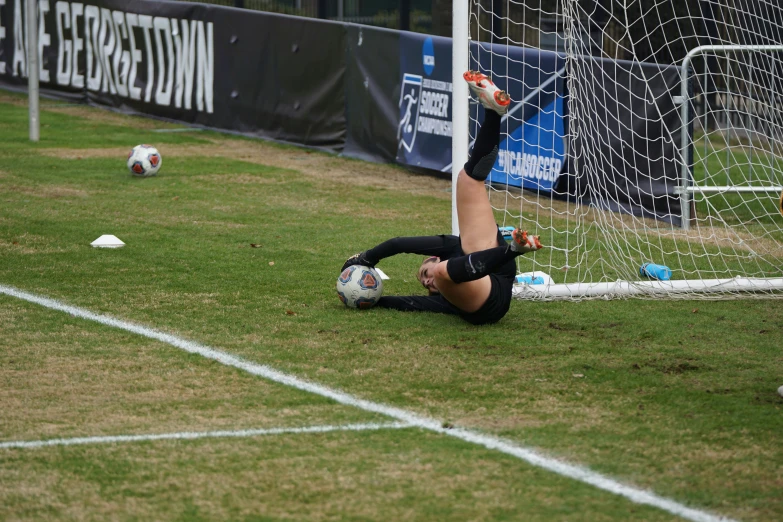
(497, 305)
(499, 300)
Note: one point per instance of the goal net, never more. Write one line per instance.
(641, 134)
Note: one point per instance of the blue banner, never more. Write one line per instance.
(532, 153)
(532, 147)
(424, 128)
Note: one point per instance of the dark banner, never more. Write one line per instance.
(188, 62)
(625, 155)
(372, 90)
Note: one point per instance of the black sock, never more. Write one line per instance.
(485, 150)
(478, 264)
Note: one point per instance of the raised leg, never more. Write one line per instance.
(478, 230)
(477, 226)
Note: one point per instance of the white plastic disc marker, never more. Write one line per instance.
(107, 241)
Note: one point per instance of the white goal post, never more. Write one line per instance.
(645, 147)
(460, 132)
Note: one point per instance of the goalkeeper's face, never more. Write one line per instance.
(425, 274)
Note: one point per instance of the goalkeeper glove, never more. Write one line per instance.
(358, 259)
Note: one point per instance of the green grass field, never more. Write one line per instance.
(718, 164)
(236, 245)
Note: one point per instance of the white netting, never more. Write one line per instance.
(638, 184)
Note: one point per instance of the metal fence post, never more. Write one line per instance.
(498, 32)
(405, 15)
(32, 69)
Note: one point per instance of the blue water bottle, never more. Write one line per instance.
(653, 271)
(530, 279)
(506, 231)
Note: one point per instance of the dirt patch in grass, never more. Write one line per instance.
(236, 179)
(316, 165)
(222, 224)
(63, 395)
(80, 110)
(29, 244)
(387, 475)
(520, 207)
(533, 208)
(18, 100)
(340, 170)
(543, 412)
(47, 191)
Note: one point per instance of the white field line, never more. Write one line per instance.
(190, 435)
(188, 129)
(531, 456)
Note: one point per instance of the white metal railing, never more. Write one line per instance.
(685, 188)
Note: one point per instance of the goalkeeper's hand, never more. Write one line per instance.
(358, 259)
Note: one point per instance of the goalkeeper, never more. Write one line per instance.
(470, 275)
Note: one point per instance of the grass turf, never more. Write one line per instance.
(678, 397)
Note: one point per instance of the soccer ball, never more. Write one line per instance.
(144, 160)
(359, 287)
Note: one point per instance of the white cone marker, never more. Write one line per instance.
(107, 241)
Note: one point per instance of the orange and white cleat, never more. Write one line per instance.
(523, 243)
(487, 92)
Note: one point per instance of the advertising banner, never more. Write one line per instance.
(424, 121)
(187, 62)
(533, 152)
(533, 146)
(372, 90)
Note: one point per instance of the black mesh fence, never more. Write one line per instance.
(411, 15)
(660, 31)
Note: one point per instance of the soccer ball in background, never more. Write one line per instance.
(359, 287)
(144, 160)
